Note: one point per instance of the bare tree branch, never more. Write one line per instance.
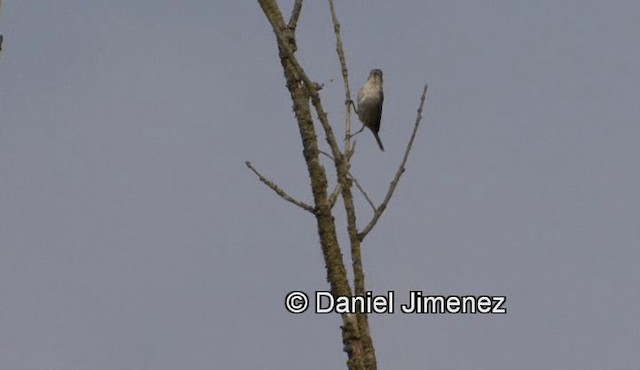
(327, 155)
(355, 330)
(336, 191)
(295, 15)
(302, 90)
(342, 169)
(401, 169)
(334, 196)
(311, 88)
(345, 74)
(364, 193)
(279, 191)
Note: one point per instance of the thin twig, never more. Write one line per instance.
(364, 193)
(279, 191)
(334, 195)
(349, 153)
(401, 169)
(345, 74)
(326, 155)
(295, 15)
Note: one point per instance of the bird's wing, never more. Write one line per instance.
(378, 114)
(360, 94)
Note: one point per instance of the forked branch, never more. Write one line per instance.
(401, 169)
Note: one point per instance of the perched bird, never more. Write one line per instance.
(370, 99)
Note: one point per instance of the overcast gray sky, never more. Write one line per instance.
(133, 237)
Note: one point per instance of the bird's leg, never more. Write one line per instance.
(349, 101)
(355, 133)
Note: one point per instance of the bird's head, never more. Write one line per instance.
(376, 75)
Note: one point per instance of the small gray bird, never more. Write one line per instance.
(370, 99)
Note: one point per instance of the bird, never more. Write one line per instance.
(370, 98)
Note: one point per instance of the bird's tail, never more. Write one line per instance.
(379, 142)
